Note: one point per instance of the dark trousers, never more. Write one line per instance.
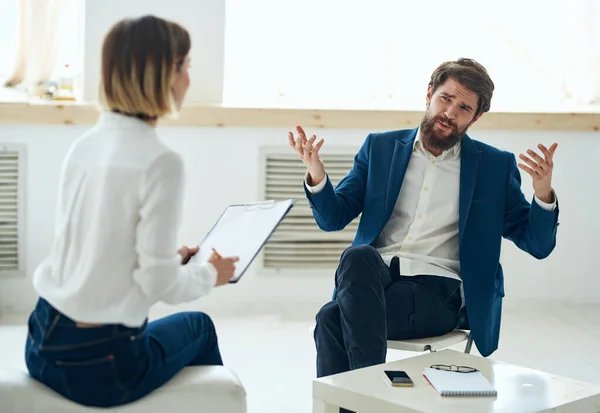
(375, 303)
(112, 365)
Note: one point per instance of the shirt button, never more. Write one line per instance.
(426, 189)
(420, 216)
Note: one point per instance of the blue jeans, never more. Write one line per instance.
(111, 365)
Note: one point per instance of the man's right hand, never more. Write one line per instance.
(309, 155)
(225, 268)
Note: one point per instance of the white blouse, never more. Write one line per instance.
(115, 241)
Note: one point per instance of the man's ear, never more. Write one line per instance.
(428, 95)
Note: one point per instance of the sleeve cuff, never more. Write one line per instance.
(205, 275)
(545, 205)
(317, 188)
(212, 273)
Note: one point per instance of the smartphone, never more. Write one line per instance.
(398, 378)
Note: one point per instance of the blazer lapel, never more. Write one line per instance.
(400, 159)
(469, 163)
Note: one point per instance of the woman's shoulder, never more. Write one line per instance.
(167, 159)
(126, 144)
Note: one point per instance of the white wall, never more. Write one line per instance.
(222, 169)
(205, 21)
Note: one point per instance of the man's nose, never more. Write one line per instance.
(450, 112)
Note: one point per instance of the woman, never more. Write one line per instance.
(114, 253)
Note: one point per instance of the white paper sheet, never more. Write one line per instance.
(242, 230)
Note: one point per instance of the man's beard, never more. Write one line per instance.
(440, 142)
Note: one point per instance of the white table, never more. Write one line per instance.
(520, 390)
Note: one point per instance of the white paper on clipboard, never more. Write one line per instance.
(242, 230)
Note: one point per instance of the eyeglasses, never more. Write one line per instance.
(454, 368)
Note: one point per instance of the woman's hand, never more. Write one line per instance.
(187, 253)
(225, 267)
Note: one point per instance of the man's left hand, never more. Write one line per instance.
(540, 169)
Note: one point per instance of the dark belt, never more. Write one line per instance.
(443, 285)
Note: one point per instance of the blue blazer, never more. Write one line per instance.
(491, 206)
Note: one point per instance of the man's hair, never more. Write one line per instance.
(471, 75)
(139, 57)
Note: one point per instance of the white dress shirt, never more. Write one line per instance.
(115, 243)
(423, 228)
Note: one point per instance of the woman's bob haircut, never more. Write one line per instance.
(139, 58)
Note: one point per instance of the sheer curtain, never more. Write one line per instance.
(542, 55)
(9, 36)
(38, 42)
(583, 61)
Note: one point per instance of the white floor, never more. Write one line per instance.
(275, 358)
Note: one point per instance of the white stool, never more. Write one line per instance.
(194, 390)
(434, 343)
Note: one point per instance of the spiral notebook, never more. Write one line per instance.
(451, 383)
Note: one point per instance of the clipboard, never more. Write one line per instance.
(242, 230)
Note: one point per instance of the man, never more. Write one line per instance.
(435, 205)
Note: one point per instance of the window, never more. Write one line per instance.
(48, 38)
(379, 54)
(9, 34)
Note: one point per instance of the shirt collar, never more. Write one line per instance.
(115, 119)
(449, 153)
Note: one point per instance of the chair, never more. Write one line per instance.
(458, 335)
(434, 343)
(430, 343)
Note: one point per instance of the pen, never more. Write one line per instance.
(217, 254)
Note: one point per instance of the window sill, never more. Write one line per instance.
(204, 115)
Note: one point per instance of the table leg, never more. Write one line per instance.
(322, 407)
